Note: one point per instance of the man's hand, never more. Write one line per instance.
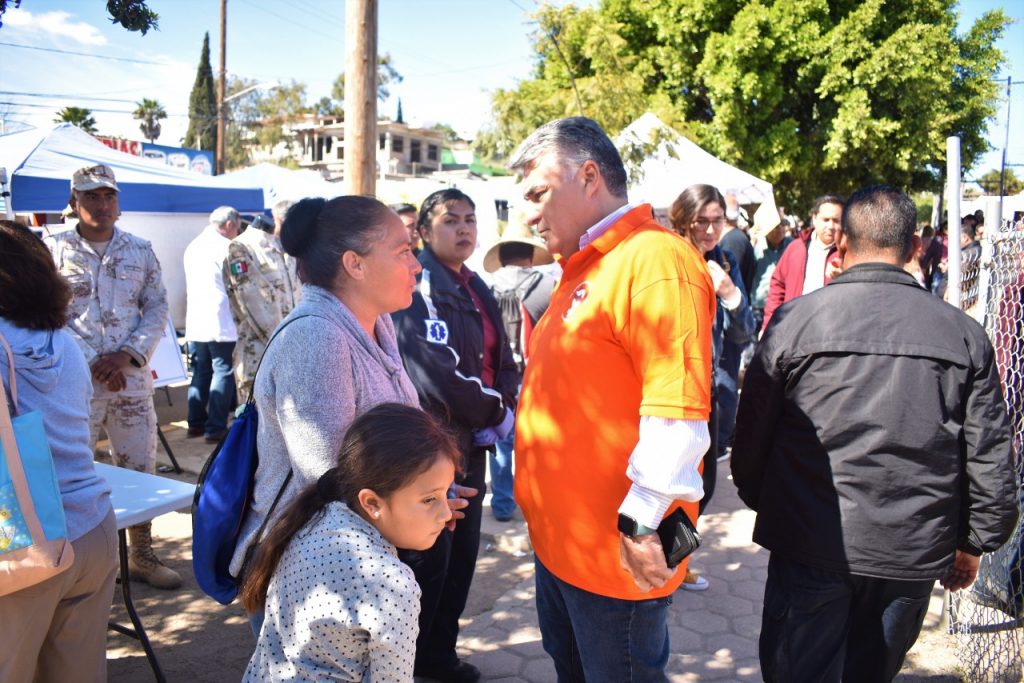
(963, 572)
(116, 381)
(644, 559)
(458, 503)
(108, 364)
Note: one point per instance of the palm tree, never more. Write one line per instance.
(77, 116)
(149, 112)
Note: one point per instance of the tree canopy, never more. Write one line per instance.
(77, 116)
(150, 113)
(989, 182)
(815, 96)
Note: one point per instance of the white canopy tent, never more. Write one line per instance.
(676, 163)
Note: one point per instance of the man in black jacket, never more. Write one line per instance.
(873, 442)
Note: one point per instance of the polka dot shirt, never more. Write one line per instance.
(340, 607)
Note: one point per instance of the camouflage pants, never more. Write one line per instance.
(130, 424)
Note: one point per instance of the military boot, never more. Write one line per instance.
(142, 562)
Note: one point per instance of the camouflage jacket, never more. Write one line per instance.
(123, 308)
(262, 289)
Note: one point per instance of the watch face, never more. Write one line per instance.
(627, 525)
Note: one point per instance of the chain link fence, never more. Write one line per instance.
(988, 619)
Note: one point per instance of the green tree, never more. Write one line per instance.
(386, 76)
(260, 117)
(989, 182)
(450, 135)
(131, 14)
(150, 113)
(814, 96)
(77, 116)
(202, 105)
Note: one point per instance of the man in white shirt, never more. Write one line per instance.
(809, 262)
(209, 327)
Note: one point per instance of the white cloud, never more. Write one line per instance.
(56, 23)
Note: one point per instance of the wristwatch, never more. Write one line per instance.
(630, 527)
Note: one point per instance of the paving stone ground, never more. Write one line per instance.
(713, 633)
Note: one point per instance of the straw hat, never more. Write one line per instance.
(522, 234)
(766, 218)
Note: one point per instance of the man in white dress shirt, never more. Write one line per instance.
(209, 327)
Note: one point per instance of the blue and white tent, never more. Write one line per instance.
(40, 164)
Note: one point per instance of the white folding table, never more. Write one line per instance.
(138, 497)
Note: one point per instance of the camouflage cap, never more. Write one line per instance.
(94, 177)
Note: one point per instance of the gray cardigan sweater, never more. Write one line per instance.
(317, 376)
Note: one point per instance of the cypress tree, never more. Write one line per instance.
(202, 104)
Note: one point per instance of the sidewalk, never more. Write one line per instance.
(713, 633)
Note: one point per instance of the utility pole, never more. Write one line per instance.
(361, 96)
(221, 86)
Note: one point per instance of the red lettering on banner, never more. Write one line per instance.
(132, 147)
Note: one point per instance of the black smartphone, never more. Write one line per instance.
(678, 537)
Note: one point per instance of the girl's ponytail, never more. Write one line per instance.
(307, 505)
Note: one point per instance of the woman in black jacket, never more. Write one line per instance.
(453, 344)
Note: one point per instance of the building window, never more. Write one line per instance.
(414, 151)
(341, 151)
(380, 140)
(431, 152)
(397, 144)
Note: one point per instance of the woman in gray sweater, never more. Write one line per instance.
(335, 355)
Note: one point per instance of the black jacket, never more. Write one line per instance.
(445, 360)
(872, 435)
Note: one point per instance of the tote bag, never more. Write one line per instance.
(33, 532)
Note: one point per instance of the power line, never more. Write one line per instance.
(84, 54)
(292, 21)
(55, 106)
(64, 96)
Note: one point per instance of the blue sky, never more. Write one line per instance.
(452, 53)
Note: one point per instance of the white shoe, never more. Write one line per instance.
(694, 582)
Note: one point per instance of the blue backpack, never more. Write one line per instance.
(223, 495)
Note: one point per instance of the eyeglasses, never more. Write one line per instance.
(704, 224)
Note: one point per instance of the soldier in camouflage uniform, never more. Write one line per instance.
(262, 289)
(117, 315)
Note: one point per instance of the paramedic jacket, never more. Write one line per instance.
(441, 339)
(872, 436)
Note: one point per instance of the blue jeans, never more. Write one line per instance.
(821, 625)
(594, 638)
(500, 460)
(726, 378)
(211, 396)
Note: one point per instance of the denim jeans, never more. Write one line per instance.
(726, 378)
(821, 625)
(500, 462)
(211, 396)
(595, 638)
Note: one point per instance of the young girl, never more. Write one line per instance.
(338, 601)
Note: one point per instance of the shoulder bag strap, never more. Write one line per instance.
(12, 382)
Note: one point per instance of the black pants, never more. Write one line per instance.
(820, 625)
(445, 573)
(709, 474)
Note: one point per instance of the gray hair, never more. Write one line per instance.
(280, 209)
(223, 215)
(574, 140)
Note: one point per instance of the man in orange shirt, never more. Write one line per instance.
(614, 408)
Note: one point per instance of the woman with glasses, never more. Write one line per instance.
(698, 214)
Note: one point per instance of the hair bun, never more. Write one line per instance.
(299, 225)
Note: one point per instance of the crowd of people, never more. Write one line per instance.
(870, 436)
